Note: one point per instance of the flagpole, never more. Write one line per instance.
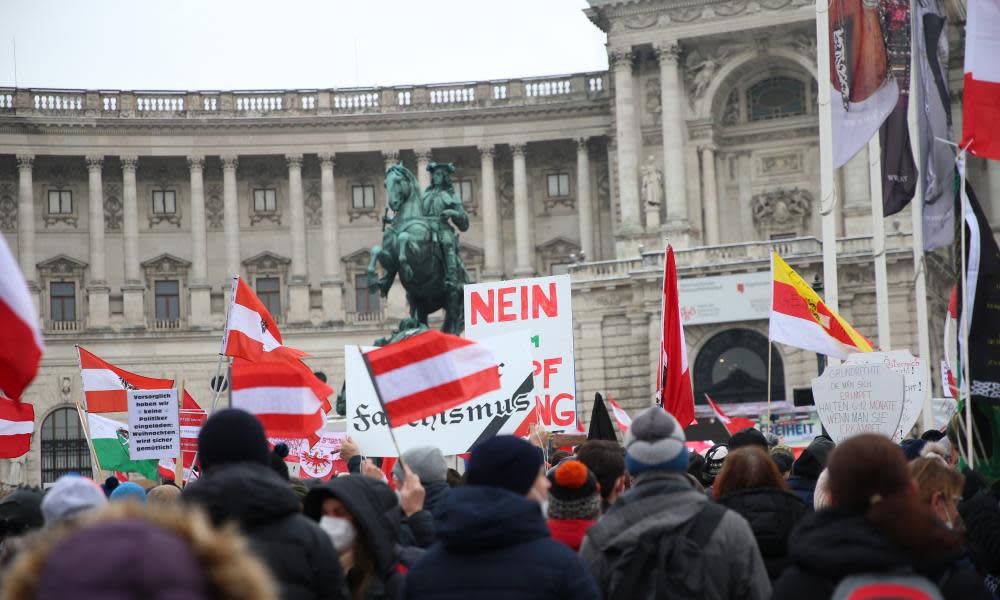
(878, 243)
(770, 347)
(966, 386)
(179, 464)
(828, 188)
(222, 351)
(378, 394)
(95, 467)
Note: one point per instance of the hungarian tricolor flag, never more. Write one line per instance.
(673, 379)
(800, 318)
(105, 385)
(251, 331)
(429, 373)
(21, 341)
(981, 94)
(17, 423)
(733, 424)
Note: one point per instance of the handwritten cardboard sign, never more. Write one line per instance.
(853, 399)
(914, 378)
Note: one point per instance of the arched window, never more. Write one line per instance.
(732, 367)
(776, 98)
(64, 445)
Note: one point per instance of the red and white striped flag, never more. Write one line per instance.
(981, 91)
(250, 330)
(733, 424)
(191, 417)
(21, 341)
(673, 379)
(17, 423)
(429, 373)
(624, 421)
(105, 385)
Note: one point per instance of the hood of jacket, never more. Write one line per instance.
(813, 459)
(249, 493)
(435, 492)
(832, 543)
(473, 518)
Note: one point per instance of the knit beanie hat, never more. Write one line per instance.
(655, 442)
(506, 462)
(20, 511)
(129, 491)
(70, 495)
(426, 462)
(232, 435)
(573, 494)
(164, 494)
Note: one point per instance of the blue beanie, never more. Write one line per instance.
(129, 491)
(655, 442)
(506, 462)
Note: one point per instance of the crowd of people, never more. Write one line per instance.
(644, 519)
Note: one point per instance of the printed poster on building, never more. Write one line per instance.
(453, 431)
(540, 306)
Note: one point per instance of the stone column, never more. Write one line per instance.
(492, 261)
(230, 219)
(333, 282)
(672, 127)
(98, 292)
(627, 136)
(199, 287)
(133, 291)
(522, 215)
(298, 284)
(585, 201)
(711, 195)
(423, 159)
(26, 224)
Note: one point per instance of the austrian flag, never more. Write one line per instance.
(429, 373)
(17, 423)
(250, 329)
(105, 385)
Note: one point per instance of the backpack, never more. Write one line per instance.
(886, 586)
(666, 564)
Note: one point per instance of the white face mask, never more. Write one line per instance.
(341, 532)
(545, 509)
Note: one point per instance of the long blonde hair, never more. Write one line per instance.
(932, 474)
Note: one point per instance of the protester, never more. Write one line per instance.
(981, 515)
(70, 496)
(912, 448)
(492, 537)
(20, 514)
(712, 549)
(128, 491)
(574, 502)
(714, 459)
(606, 460)
(749, 436)
(808, 466)
(131, 552)
(109, 485)
(751, 485)
(167, 493)
(783, 458)
(427, 463)
(239, 486)
(454, 478)
(876, 526)
(362, 517)
(276, 459)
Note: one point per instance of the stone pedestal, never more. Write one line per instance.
(133, 300)
(298, 301)
(333, 300)
(98, 306)
(201, 306)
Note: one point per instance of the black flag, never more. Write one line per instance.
(601, 427)
(899, 172)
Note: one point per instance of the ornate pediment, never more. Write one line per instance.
(559, 247)
(267, 262)
(165, 264)
(359, 258)
(62, 266)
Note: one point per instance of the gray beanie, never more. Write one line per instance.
(655, 442)
(70, 495)
(426, 462)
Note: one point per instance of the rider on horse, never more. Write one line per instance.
(440, 203)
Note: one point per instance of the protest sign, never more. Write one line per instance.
(944, 410)
(540, 307)
(453, 431)
(794, 430)
(319, 462)
(853, 399)
(153, 424)
(912, 370)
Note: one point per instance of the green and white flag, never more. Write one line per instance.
(111, 439)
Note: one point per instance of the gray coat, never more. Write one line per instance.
(665, 501)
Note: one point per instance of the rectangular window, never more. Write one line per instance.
(269, 292)
(464, 190)
(783, 236)
(60, 202)
(62, 301)
(365, 301)
(558, 184)
(164, 202)
(265, 200)
(168, 300)
(363, 196)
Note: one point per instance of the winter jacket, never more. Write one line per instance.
(981, 515)
(772, 514)
(570, 531)
(803, 488)
(434, 493)
(666, 501)
(831, 544)
(300, 554)
(493, 543)
(377, 520)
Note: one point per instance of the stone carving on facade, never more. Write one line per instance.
(603, 187)
(267, 263)
(652, 183)
(8, 207)
(654, 99)
(780, 164)
(165, 265)
(781, 210)
(557, 251)
(60, 172)
(61, 266)
(505, 189)
(214, 206)
(112, 208)
(731, 111)
(641, 21)
(313, 204)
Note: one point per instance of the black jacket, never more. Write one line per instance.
(493, 543)
(300, 554)
(804, 488)
(377, 518)
(830, 544)
(772, 514)
(981, 515)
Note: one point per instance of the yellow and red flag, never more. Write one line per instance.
(800, 318)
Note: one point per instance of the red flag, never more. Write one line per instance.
(733, 424)
(429, 373)
(105, 385)
(17, 423)
(981, 100)
(673, 380)
(250, 329)
(21, 342)
(624, 421)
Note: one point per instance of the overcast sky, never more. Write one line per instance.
(261, 44)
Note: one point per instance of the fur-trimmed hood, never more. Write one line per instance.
(161, 537)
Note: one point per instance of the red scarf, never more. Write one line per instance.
(570, 531)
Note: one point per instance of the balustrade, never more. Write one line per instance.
(159, 103)
(258, 103)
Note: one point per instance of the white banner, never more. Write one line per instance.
(153, 424)
(540, 308)
(453, 431)
(853, 399)
(725, 298)
(911, 368)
